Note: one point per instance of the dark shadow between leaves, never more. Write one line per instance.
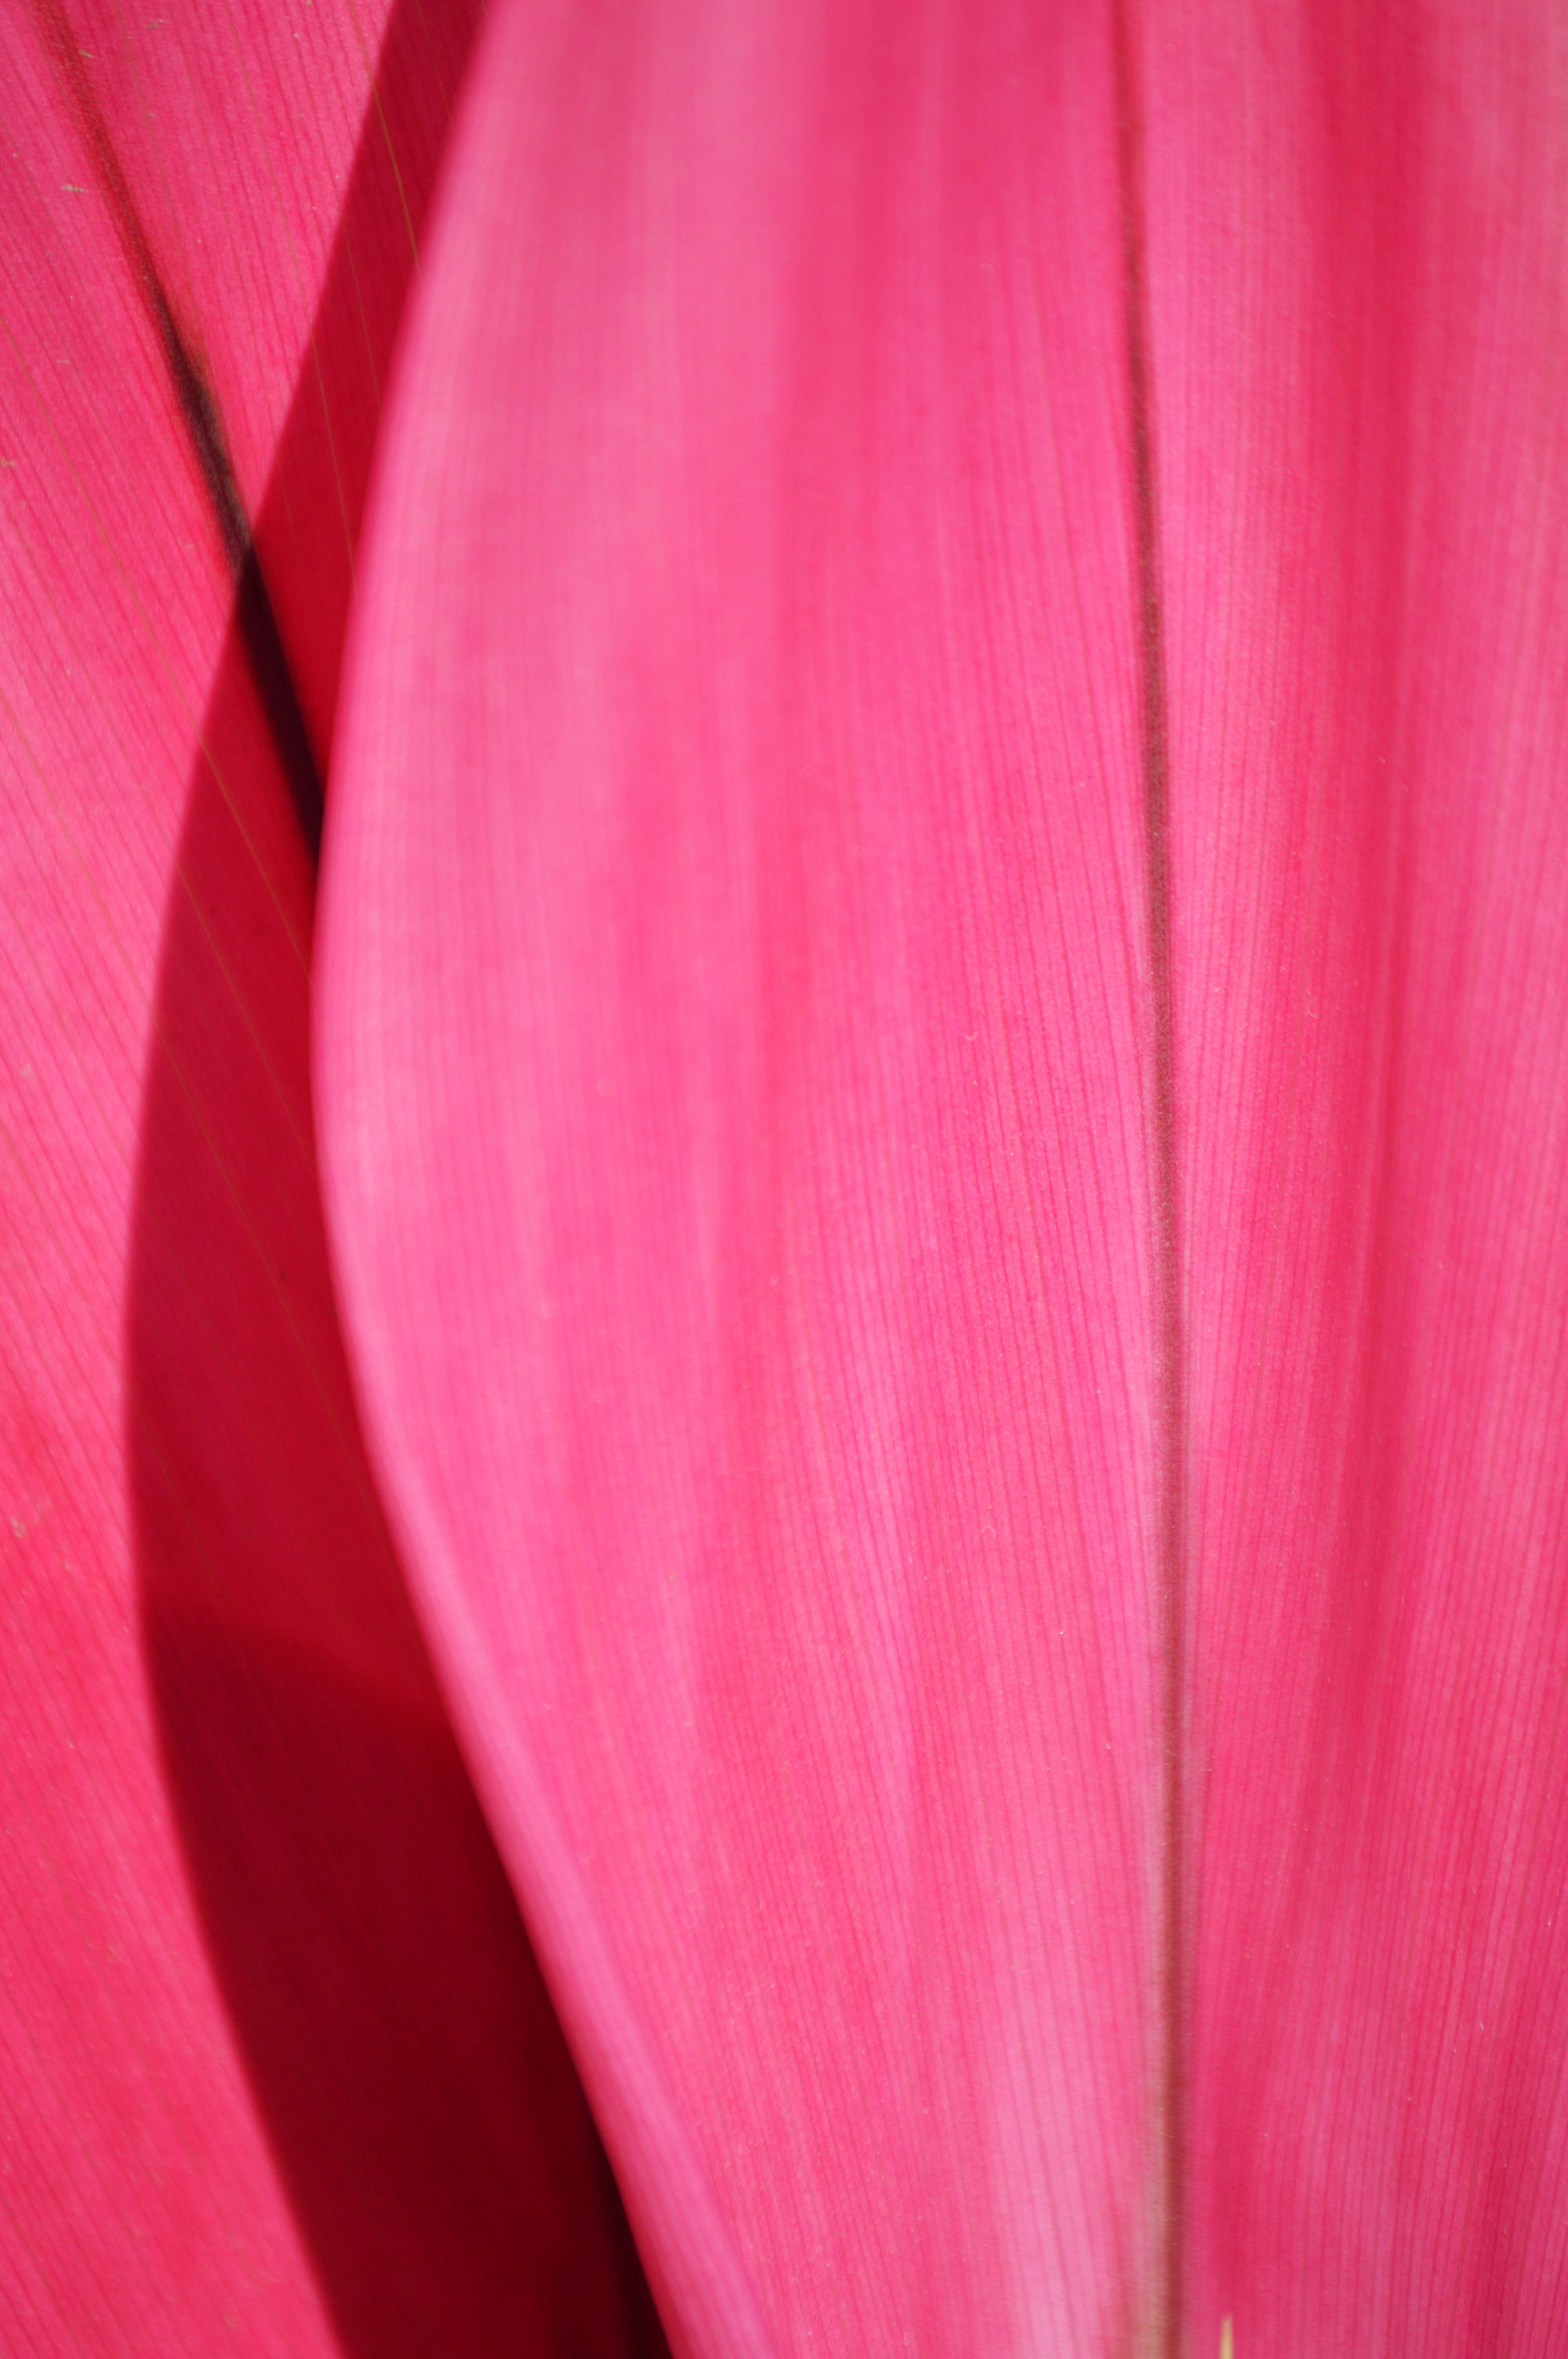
(407, 2068)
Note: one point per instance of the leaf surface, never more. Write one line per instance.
(846, 460)
(1359, 332)
(734, 1085)
(278, 2065)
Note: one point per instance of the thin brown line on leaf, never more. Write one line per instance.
(1169, 2129)
(254, 614)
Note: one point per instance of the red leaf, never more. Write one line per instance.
(734, 1091)
(279, 2066)
(1354, 239)
(1038, 1847)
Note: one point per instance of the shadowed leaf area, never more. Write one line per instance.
(278, 2069)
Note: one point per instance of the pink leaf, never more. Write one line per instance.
(735, 1087)
(278, 2068)
(1359, 322)
(952, 775)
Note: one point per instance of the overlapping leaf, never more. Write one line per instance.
(278, 2069)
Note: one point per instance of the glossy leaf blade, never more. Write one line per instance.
(737, 1051)
(1358, 333)
(734, 1079)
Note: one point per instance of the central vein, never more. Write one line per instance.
(1169, 2124)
